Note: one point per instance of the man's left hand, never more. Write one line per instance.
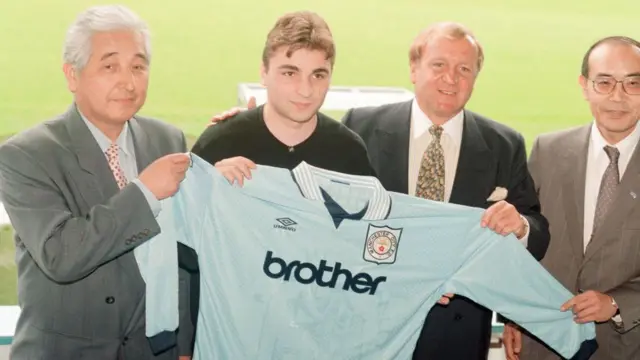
(591, 306)
(504, 219)
(184, 357)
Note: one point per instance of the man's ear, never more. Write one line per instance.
(583, 81)
(263, 74)
(72, 77)
(412, 71)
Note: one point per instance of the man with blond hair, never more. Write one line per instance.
(296, 68)
(476, 162)
(432, 147)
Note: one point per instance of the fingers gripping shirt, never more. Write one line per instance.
(313, 264)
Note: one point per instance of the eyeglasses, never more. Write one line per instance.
(606, 85)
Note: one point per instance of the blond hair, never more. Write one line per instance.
(449, 30)
(300, 30)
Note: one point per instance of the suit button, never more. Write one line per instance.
(457, 317)
(110, 300)
(124, 341)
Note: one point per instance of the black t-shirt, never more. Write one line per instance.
(331, 146)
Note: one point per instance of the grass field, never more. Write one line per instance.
(203, 48)
(7, 267)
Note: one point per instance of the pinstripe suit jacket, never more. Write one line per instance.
(611, 262)
(79, 287)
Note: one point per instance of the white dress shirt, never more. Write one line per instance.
(597, 162)
(451, 141)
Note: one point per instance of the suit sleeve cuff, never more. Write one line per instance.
(154, 203)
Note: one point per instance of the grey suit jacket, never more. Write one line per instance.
(79, 287)
(611, 263)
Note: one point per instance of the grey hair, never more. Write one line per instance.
(77, 45)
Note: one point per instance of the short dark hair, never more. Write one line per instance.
(300, 30)
(620, 39)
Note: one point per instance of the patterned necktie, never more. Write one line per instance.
(113, 155)
(608, 186)
(430, 183)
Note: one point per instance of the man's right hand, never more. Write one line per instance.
(163, 176)
(232, 112)
(236, 168)
(512, 338)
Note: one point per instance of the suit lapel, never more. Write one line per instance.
(621, 206)
(476, 170)
(573, 187)
(145, 153)
(90, 157)
(393, 138)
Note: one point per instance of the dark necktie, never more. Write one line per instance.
(608, 186)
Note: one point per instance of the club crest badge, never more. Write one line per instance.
(381, 245)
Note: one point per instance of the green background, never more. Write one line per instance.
(203, 48)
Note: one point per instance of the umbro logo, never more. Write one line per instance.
(285, 224)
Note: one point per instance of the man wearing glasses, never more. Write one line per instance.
(588, 180)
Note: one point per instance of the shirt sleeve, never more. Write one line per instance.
(500, 274)
(158, 264)
(158, 259)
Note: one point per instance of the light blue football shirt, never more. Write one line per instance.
(313, 264)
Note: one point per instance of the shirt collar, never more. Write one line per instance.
(103, 141)
(626, 146)
(421, 123)
(305, 176)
